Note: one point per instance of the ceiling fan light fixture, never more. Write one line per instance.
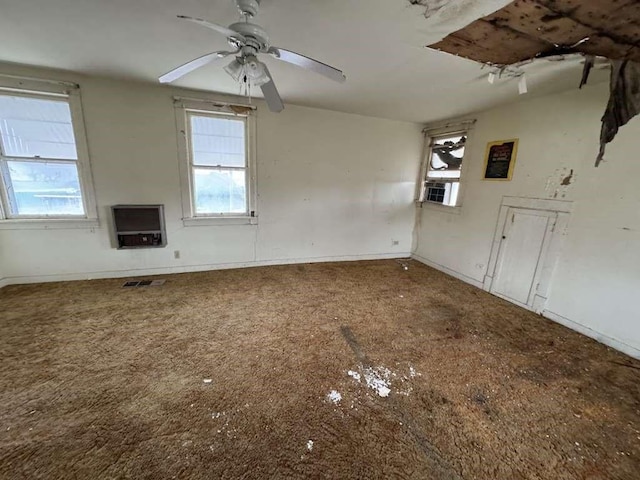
(261, 80)
(248, 70)
(235, 69)
(256, 71)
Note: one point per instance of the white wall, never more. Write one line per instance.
(330, 186)
(597, 279)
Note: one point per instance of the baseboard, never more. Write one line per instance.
(575, 326)
(597, 336)
(64, 277)
(448, 271)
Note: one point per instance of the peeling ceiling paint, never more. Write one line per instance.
(430, 6)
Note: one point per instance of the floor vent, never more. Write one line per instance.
(143, 283)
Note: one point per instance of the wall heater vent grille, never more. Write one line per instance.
(143, 283)
(139, 226)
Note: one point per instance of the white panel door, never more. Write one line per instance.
(521, 255)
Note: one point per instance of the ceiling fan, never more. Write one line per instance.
(247, 41)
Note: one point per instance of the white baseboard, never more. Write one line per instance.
(64, 277)
(597, 336)
(448, 271)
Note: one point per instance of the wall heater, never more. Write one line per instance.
(139, 226)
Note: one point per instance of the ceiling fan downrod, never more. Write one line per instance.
(248, 8)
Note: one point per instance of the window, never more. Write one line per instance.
(218, 164)
(43, 162)
(444, 166)
(217, 183)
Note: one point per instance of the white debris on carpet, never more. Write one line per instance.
(334, 396)
(380, 378)
(310, 445)
(226, 419)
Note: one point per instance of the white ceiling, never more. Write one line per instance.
(380, 45)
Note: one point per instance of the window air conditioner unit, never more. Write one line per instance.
(139, 226)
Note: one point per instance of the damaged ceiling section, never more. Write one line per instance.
(526, 30)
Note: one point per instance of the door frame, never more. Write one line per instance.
(550, 251)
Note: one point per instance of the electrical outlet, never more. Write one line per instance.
(395, 242)
(176, 254)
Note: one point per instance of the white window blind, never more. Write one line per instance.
(218, 157)
(39, 158)
(33, 128)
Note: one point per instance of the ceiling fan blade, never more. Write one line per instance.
(308, 63)
(227, 32)
(191, 66)
(271, 95)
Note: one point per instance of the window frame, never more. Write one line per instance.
(184, 110)
(431, 133)
(56, 91)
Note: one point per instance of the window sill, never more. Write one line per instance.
(437, 207)
(47, 223)
(213, 221)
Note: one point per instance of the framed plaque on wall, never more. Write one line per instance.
(500, 159)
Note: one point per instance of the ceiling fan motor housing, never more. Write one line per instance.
(256, 35)
(248, 7)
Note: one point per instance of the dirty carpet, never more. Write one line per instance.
(343, 370)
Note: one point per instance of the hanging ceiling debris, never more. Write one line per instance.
(531, 29)
(624, 101)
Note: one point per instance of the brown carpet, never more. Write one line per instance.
(99, 381)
